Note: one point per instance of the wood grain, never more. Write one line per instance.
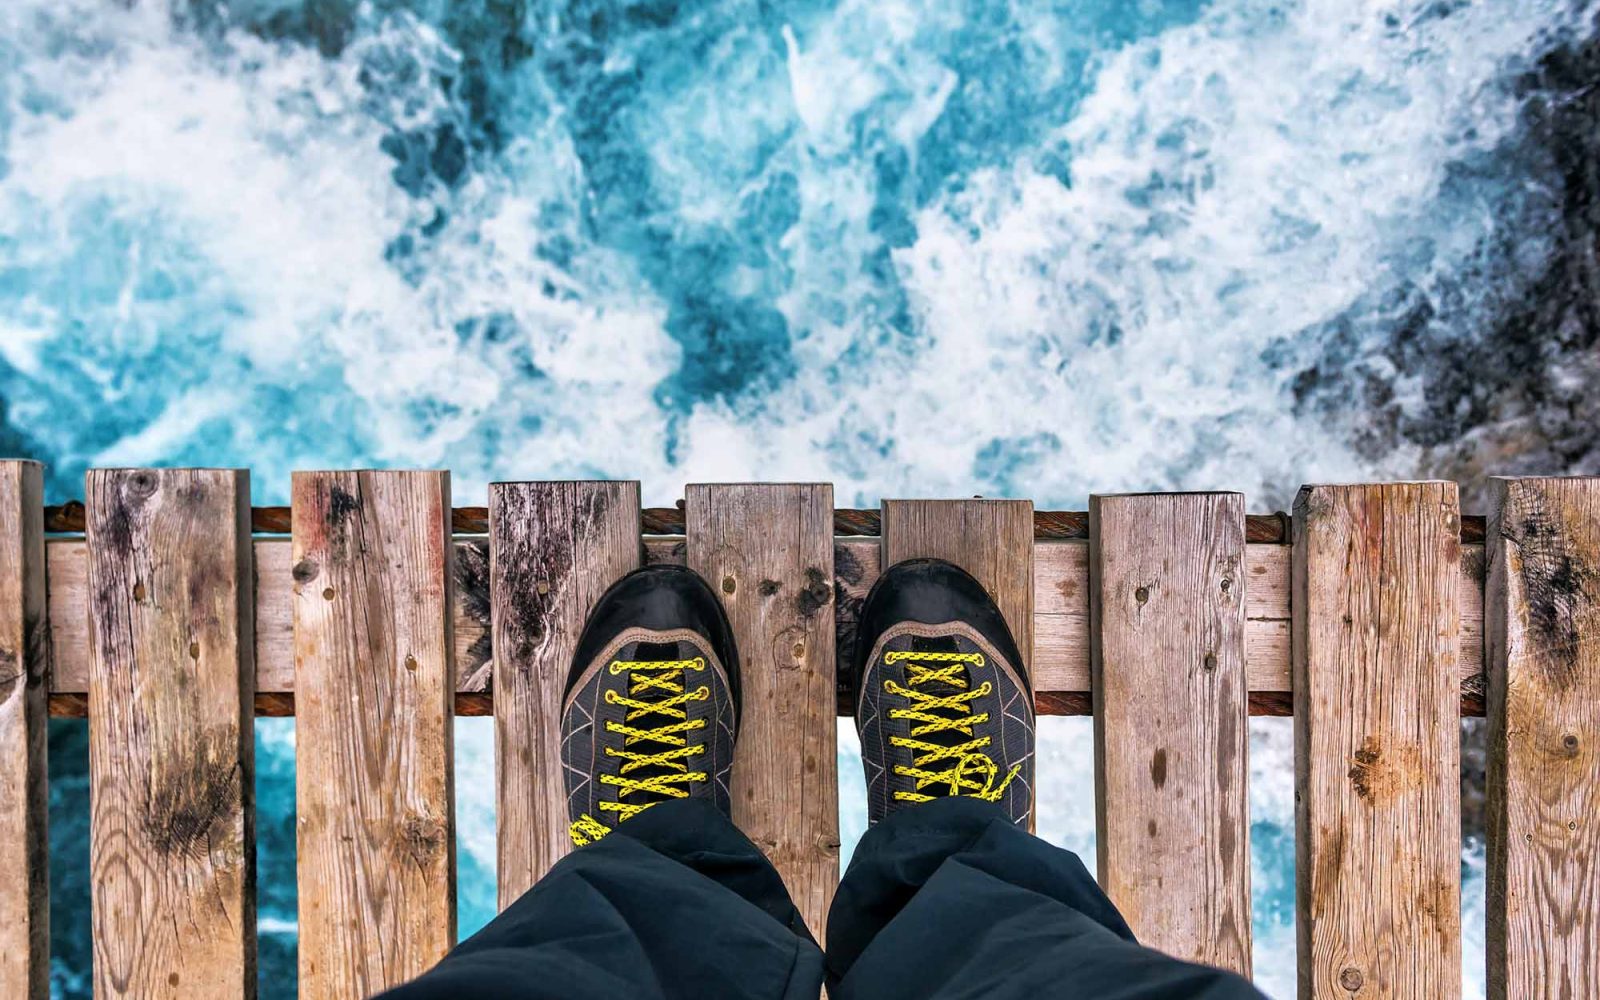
(767, 550)
(1167, 606)
(1377, 742)
(24, 672)
(991, 539)
(374, 674)
(171, 773)
(1543, 610)
(554, 548)
(1061, 618)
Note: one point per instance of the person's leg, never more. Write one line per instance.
(953, 899)
(676, 902)
(664, 898)
(948, 895)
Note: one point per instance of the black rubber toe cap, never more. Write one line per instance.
(933, 592)
(662, 597)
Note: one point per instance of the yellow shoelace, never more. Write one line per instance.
(671, 764)
(971, 772)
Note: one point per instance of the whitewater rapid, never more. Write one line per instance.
(909, 248)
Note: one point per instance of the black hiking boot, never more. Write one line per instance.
(943, 706)
(652, 701)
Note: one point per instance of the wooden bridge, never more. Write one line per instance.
(169, 611)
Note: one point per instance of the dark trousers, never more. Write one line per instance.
(946, 899)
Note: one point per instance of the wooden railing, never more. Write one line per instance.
(1377, 615)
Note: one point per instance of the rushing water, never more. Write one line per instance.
(914, 248)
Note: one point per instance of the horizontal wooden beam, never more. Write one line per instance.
(1060, 617)
(1048, 525)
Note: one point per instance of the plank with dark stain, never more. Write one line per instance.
(171, 775)
(374, 684)
(1167, 589)
(554, 548)
(767, 551)
(1543, 616)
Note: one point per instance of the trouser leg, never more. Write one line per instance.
(950, 899)
(675, 902)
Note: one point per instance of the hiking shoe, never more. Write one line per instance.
(943, 706)
(652, 701)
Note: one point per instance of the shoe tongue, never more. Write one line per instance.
(646, 652)
(942, 644)
(656, 651)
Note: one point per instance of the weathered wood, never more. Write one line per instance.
(1167, 605)
(768, 553)
(374, 674)
(1060, 645)
(171, 774)
(1047, 524)
(24, 669)
(989, 539)
(1543, 613)
(554, 548)
(1377, 745)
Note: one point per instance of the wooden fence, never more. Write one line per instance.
(1377, 615)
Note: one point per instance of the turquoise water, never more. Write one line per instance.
(912, 248)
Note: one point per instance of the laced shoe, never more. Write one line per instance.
(652, 702)
(943, 705)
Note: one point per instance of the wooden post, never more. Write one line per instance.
(991, 539)
(171, 748)
(1167, 608)
(554, 548)
(374, 684)
(768, 553)
(24, 666)
(1377, 740)
(1543, 622)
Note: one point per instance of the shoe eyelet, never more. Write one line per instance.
(979, 661)
(615, 668)
(611, 697)
(698, 663)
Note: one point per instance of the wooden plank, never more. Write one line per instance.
(767, 550)
(171, 747)
(1061, 615)
(991, 539)
(1167, 605)
(1377, 741)
(554, 549)
(1544, 746)
(374, 672)
(24, 671)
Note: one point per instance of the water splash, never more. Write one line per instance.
(912, 248)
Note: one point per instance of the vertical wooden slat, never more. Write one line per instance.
(768, 552)
(1543, 620)
(171, 748)
(1167, 607)
(24, 668)
(374, 686)
(554, 548)
(1377, 743)
(991, 539)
